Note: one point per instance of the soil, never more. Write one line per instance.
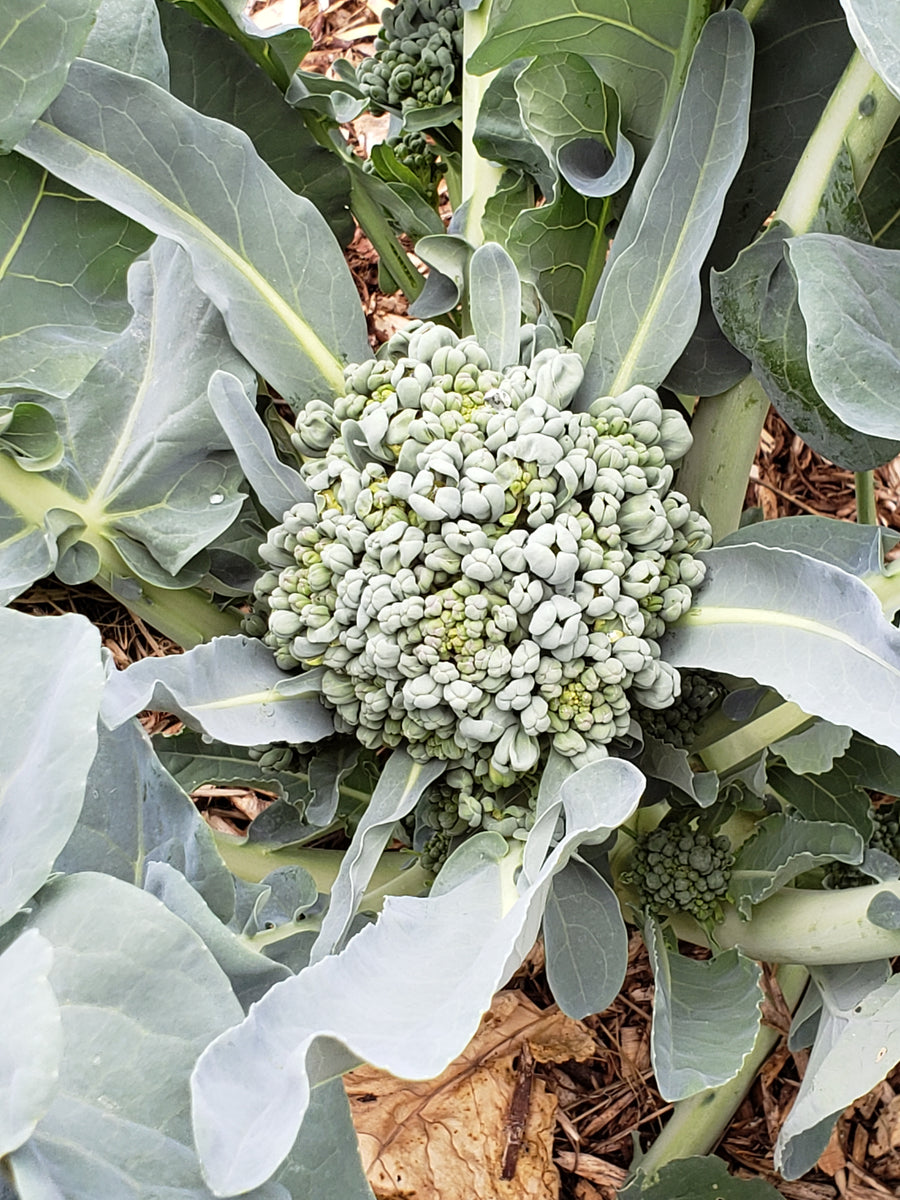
(608, 1101)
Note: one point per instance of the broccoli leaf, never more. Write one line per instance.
(811, 631)
(52, 680)
(705, 1016)
(261, 260)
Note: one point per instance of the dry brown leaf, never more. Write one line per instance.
(833, 1159)
(887, 1130)
(449, 1136)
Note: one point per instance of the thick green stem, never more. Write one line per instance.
(697, 1124)
(806, 926)
(253, 861)
(866, 507)
(726, 430)
(479, 177)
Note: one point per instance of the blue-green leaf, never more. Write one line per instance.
(278, 486)
(51, 681)
(38, 40)
(430, 968)
(649, 295)
(134, 813)
(857, 1044)
(642, 51)
(264, 255)
(811, 631)
(876, 31)
(495, 304)
(31, 1049)
(229, 688)
(783, 848)
(401, 783)
(147, 984)
(705, 1016)
(59, 311)
(585, 940)
(849, 295)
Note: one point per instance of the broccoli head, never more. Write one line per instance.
(484, 574)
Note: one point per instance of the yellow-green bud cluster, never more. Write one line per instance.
(485, 573)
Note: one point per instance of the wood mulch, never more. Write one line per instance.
(607, 1102)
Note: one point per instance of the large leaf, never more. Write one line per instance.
(213, 74)
(696, 1177)
(401, 783)
(32, 1038)
(859, 549)
(38, 40)
(811, 631)
(250, 973)
(836, 795)
(857, 1044)
(279, 50)
(122, 490)
(585, 940)
(705, 1016)
(230, 689)
(140, 997)
(134, 813)
(849, 295)
(430, 967)
(278, 486)
(495, 304)
(649, 295)
(641, 49)
(264, 255)
(561, 248)
(50, 690)
(63, 261)
(782, 848)
(574, 118)
(755, 302)
(126, 35)
(876, 31)
(802, 49)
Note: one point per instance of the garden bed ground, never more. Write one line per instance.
(607, 1099)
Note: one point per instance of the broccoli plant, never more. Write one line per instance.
(481, 611)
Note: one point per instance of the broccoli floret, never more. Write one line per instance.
(484, 574)
(885, 837)
(678, 869)
(418, 56)
(700, 693)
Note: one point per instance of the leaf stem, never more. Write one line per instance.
(866, 507)
(479, 177)
(375, 226)
(726, 430)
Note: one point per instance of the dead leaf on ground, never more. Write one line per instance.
(449, 1136)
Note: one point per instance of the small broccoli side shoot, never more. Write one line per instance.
(418, 56)
(679, 869)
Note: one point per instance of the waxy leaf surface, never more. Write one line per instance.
(51, 681)
(260, 252)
